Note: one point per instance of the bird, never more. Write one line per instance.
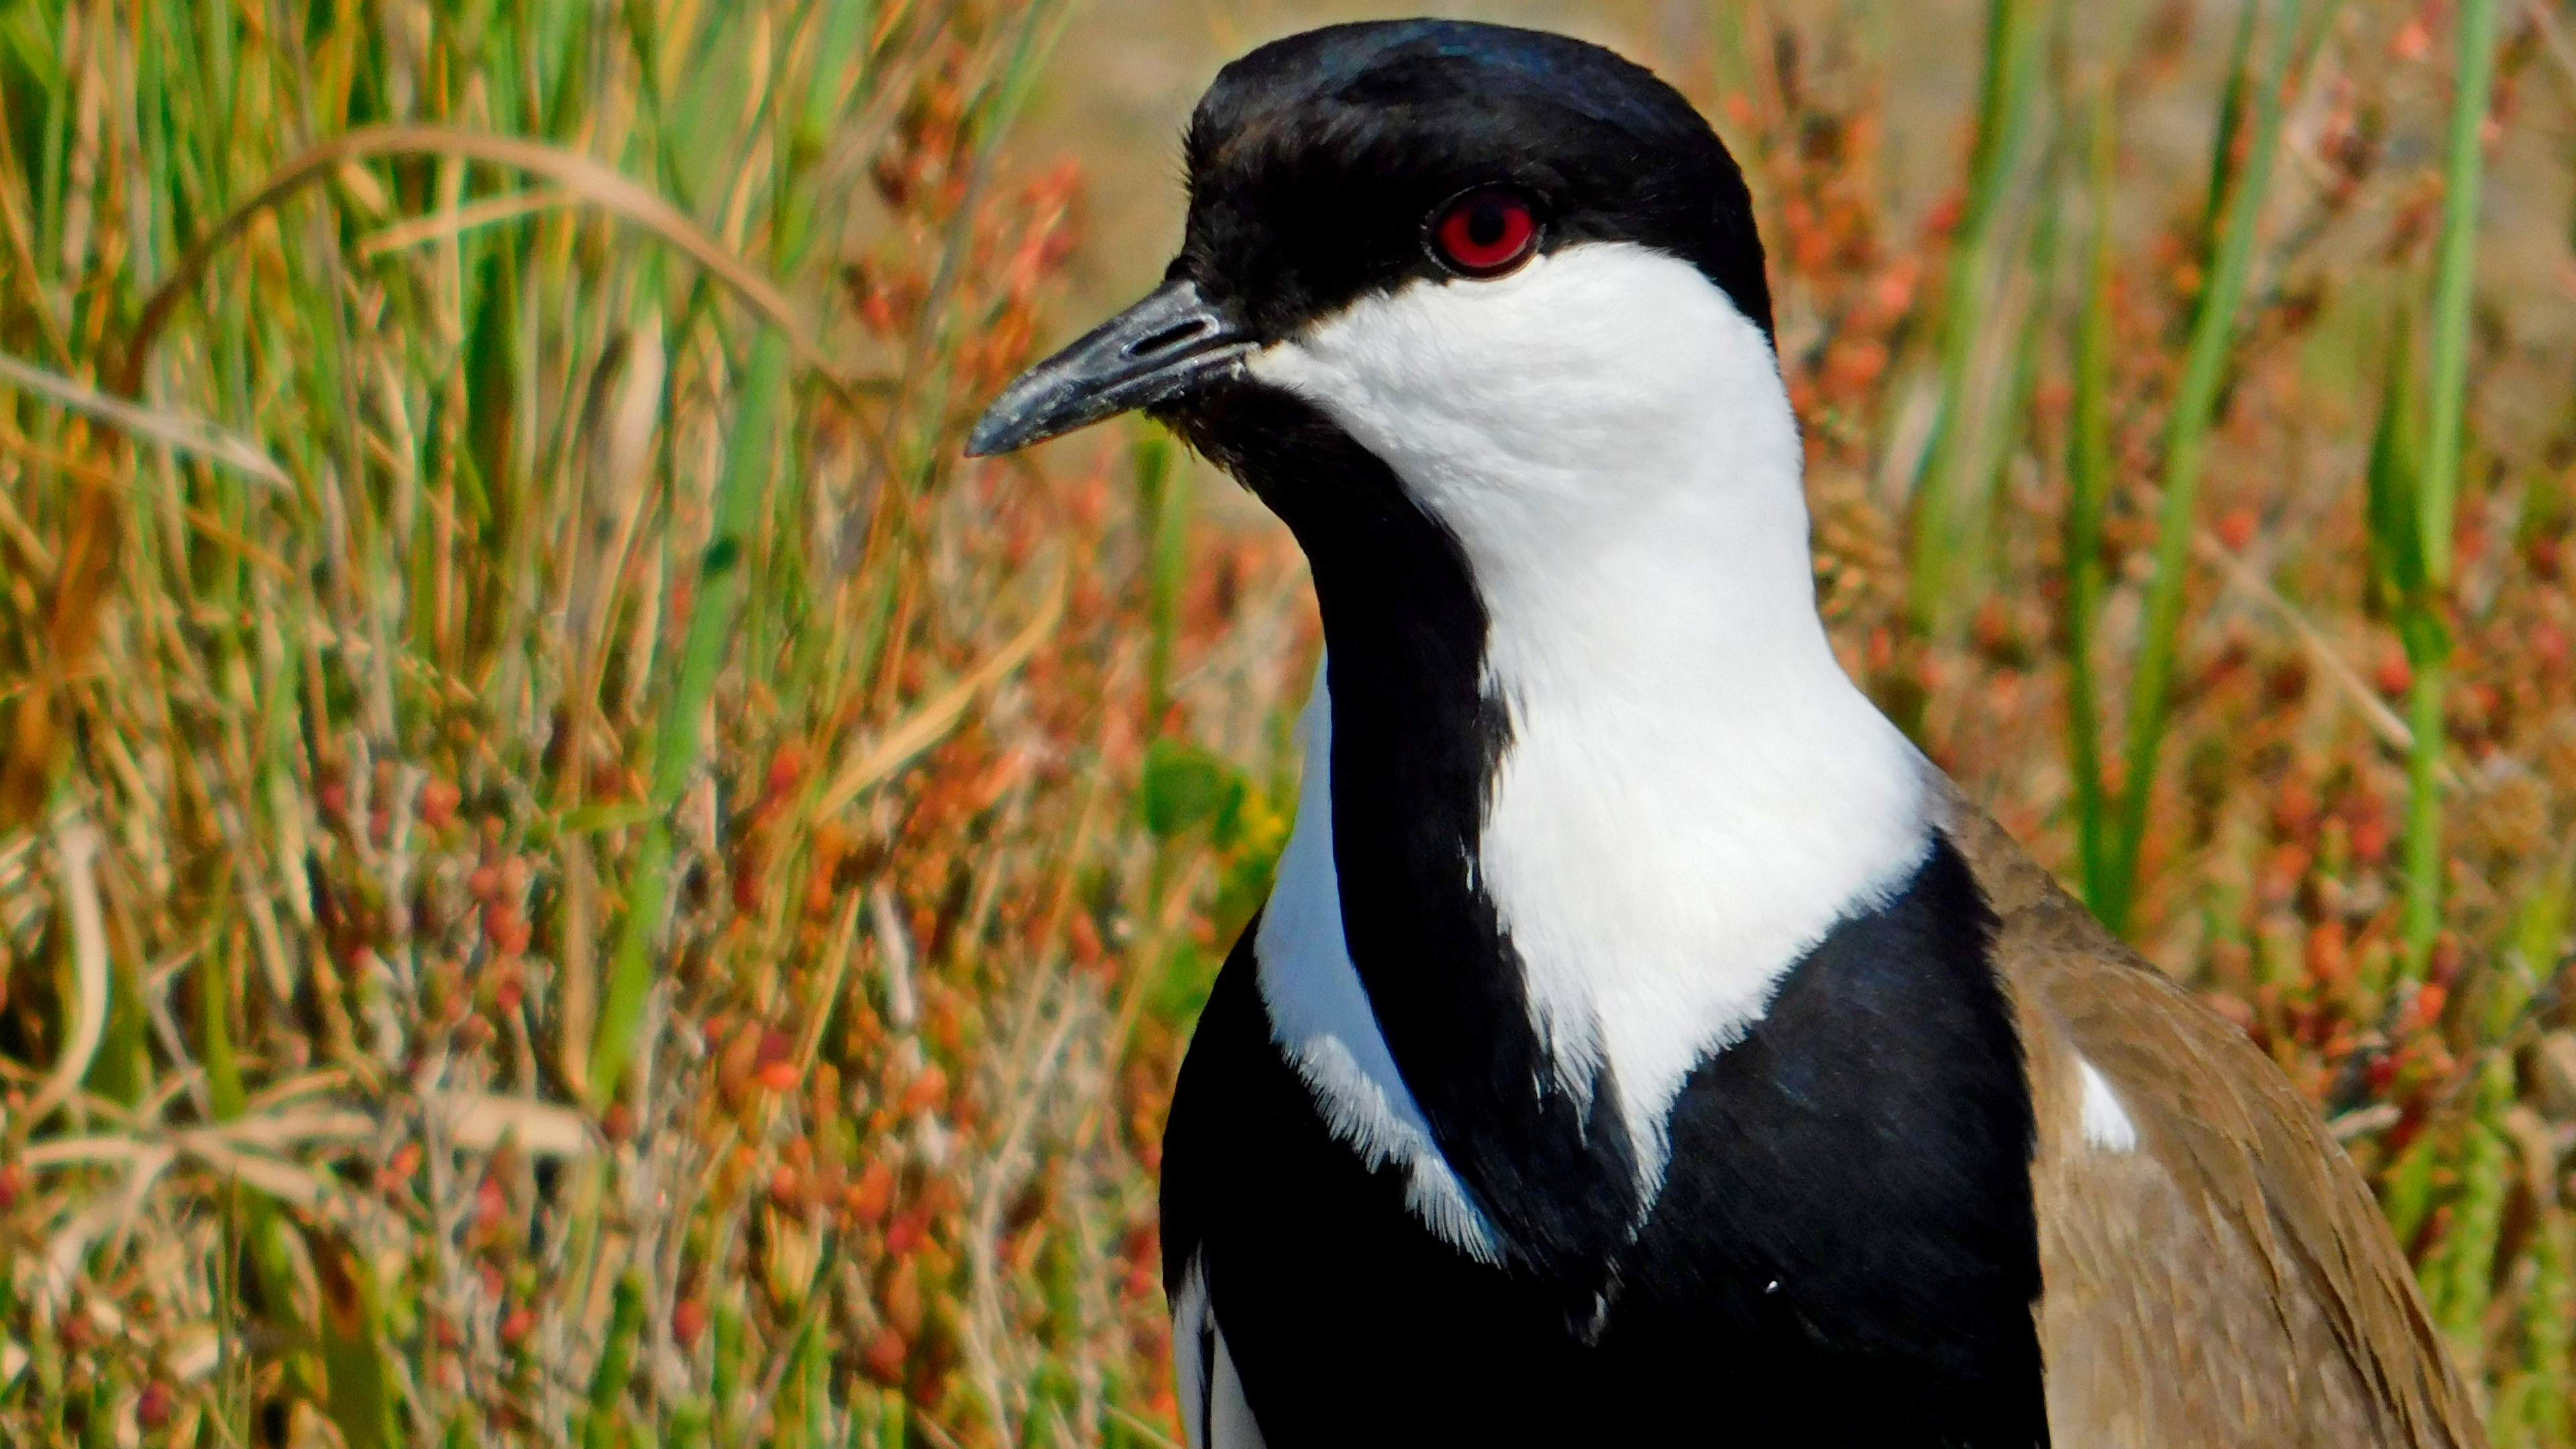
(1642, 1041)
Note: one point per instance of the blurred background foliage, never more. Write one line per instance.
(570, 875)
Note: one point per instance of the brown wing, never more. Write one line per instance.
(2216, 1274)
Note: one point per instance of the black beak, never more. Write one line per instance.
(1165, 345)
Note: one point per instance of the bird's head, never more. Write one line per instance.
(1513, 267)
(1480, 314)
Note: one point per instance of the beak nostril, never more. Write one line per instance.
(1169, 337)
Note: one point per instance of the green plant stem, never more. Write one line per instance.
(2455, 269)
(2213, 336)
(2005, 118)
(2088, 472)
(2459, 1275)
(678, 746)
(616, 1362)
(2425, 693)
(2454, 274)
(2231, 119)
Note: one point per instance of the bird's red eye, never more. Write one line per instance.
(1485, 233)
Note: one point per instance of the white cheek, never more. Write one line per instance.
(1601, 373)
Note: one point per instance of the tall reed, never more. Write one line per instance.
(2438, 484)
(2214, 322)
(1949, 524)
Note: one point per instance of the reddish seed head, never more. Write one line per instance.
(688, 1320)
(505, 928)
(152, 1408)
(927, 1090)
(907, 1232)
(2380, 1073)
(869, 1197)
(777, 1065)
(2394, 675)
(438, 802)
(2429, 1003)
(884, 1357)
(2327, 956)
(406, 1161)
(786, 767)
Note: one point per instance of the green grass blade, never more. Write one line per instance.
(2213, 337)
(616, 1363)
(678, 749)
(2088, 472)
(2427, 642)
(2231, 118)
(1941, 572)
(2455, 268)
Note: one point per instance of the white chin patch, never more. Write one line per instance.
(1694, 792)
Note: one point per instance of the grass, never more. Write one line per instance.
(570, 875)
(2436, 510)
(2207, 659)
(2238, 189)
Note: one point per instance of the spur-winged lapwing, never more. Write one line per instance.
(1643, 1043)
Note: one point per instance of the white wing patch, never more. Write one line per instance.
(1214, 1412)
(1695, 792)
(1321, 1017)
(2106, 1123)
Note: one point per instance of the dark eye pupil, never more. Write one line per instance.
(1483, 233)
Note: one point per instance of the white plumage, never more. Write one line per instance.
(1214, 1412)
(2106, 1123)
(1694, 791)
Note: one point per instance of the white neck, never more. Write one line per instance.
(1693, 792)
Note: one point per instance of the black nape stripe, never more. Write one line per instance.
(1416, 740)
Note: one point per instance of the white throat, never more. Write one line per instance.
(1693, 792)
